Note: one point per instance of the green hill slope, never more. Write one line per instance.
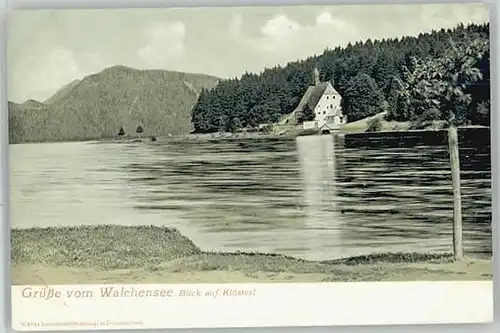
(61, 93)
(97, 106)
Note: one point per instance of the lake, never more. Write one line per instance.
(315, 197)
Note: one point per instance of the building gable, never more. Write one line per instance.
(329, 102)
(330, 90)
(323, 99)
(316, 94)
(313, 95)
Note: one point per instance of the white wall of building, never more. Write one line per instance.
(328, 108)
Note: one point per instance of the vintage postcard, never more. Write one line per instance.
(307, 165)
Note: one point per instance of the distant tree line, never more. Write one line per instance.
(417, 79)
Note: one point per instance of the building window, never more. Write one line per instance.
(333, 97)
(327, 97)
(324, 112)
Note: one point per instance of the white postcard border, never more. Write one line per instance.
(83, 307)
(475, 301)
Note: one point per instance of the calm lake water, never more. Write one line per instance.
(317, 197)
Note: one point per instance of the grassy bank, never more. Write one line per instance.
(118, 254)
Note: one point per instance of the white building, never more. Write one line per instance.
(326, 103)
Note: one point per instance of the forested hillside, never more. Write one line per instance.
(99, 105)
(61, 93)
(412, 78)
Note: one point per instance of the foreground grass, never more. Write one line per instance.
(118, 254)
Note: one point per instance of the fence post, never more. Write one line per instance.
(458, 251)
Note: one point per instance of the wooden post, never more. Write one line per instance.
(458, 250)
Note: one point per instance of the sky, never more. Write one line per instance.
(47, 49)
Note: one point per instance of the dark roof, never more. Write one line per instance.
(312, 96)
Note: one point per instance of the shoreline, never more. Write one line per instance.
(292, 134)
(151, 254)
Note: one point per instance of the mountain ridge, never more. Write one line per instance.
(98, 105)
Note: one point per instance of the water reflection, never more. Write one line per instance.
(323, 222)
